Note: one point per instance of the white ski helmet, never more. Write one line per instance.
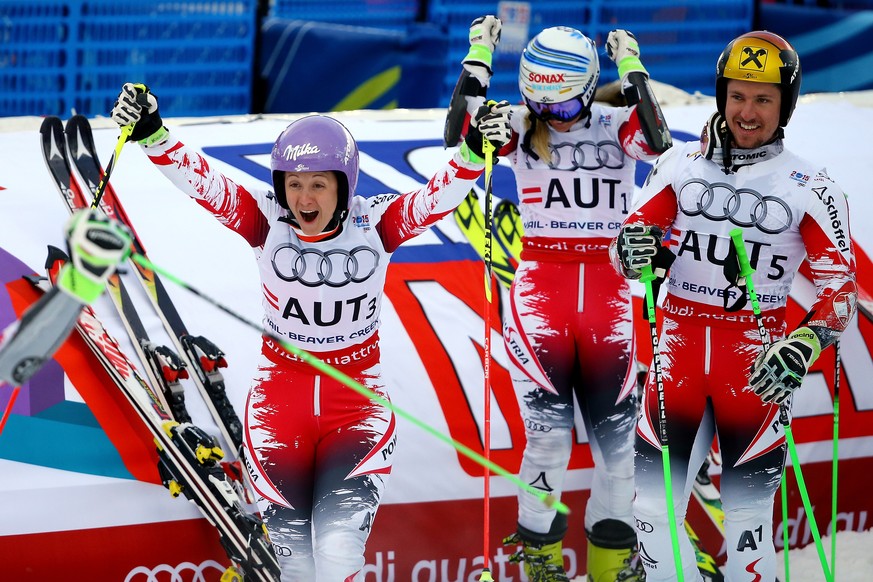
(559, 66)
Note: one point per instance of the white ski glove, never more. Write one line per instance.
(491, 121)
(715, 135)
(624, 50)
(637, 245)
(137, 105)
(780, 371)
(484, 36)
(97, 246)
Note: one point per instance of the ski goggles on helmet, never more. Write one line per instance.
(562, 111)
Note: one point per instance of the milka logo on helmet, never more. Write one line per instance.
(292, 151)
(546, 77)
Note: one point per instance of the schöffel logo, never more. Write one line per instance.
(292, 151)
(753, 58)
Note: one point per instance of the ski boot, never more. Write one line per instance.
(612, 553)
(542, 562)
(541, 553)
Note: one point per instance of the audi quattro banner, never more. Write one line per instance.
(70, 476)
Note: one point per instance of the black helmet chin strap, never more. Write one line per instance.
(726, 160)
(528, 135)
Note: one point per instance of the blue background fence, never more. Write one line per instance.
(680, 40)
(59, 55)
(219, 57)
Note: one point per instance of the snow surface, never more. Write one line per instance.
(854, 560)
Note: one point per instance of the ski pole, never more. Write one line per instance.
(339, 376)
(488, 150)
(101, 187)
(834, 466)
(647, 277)
(746, 271)
(783, 498)
(122, 139)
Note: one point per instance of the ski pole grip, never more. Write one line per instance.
(122, 139)
(648, 275)
(487, 146)
(746, 269)
(128, 129)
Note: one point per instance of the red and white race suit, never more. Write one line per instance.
(569, 330)
(788, 210)
(320, 453)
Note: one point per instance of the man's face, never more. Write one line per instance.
(752, 112)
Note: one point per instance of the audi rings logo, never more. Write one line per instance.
(282, 551)
(586, 155)
(184, 572)
(743, 207)
(334, 268)
(644, 526)
(536, 426)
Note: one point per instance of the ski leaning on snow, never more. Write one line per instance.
(188, 458)
(170, 394)
(508, 230)
(706, 564)
(198, 354)
(707, 495)
(471, 220)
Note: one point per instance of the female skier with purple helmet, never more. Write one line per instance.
(320, 454)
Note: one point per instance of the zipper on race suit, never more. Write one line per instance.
(580, 299)
(707, 353)
(316, 396)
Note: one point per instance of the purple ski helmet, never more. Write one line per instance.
(317, 143)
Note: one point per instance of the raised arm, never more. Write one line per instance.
(242, 211)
